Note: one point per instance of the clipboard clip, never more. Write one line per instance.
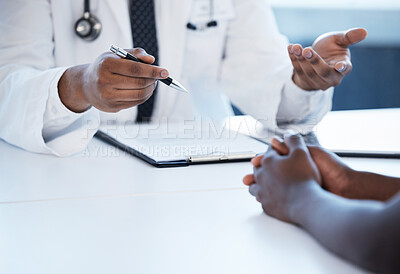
(220, 157)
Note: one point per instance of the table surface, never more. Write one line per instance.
(104, 211)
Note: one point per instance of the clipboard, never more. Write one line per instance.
(180, 151)
(361, 133)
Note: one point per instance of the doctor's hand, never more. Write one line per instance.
(110, 83)
(325, 63)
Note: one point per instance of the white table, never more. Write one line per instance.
(107, 212)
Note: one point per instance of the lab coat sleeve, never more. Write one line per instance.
(31, 113)
(256, 73)
(301, 110)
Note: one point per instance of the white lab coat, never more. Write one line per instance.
(243, 59)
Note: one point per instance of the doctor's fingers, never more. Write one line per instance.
(142, 55)
(344, 67)
(118, 81)
(308, 72)
(118, 106)
(132, 95)
(298, 70)
(115, 106)
(129, 104)
(328, 74)
(134, 69)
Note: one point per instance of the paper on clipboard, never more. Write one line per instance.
(191, 145)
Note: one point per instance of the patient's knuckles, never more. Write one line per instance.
(266, 160)
(299, 153)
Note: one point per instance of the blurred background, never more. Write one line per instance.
(375, 80)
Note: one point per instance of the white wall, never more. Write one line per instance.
(359, 4)
(304, 20)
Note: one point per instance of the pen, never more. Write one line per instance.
(168, 81)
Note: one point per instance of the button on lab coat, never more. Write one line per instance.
(243, 60)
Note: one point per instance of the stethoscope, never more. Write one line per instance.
(88, 27)
(209, 24)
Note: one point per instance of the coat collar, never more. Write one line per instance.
(120, 12)
(172, 15)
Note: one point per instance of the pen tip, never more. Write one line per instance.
(184, 89)
(179, 86)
